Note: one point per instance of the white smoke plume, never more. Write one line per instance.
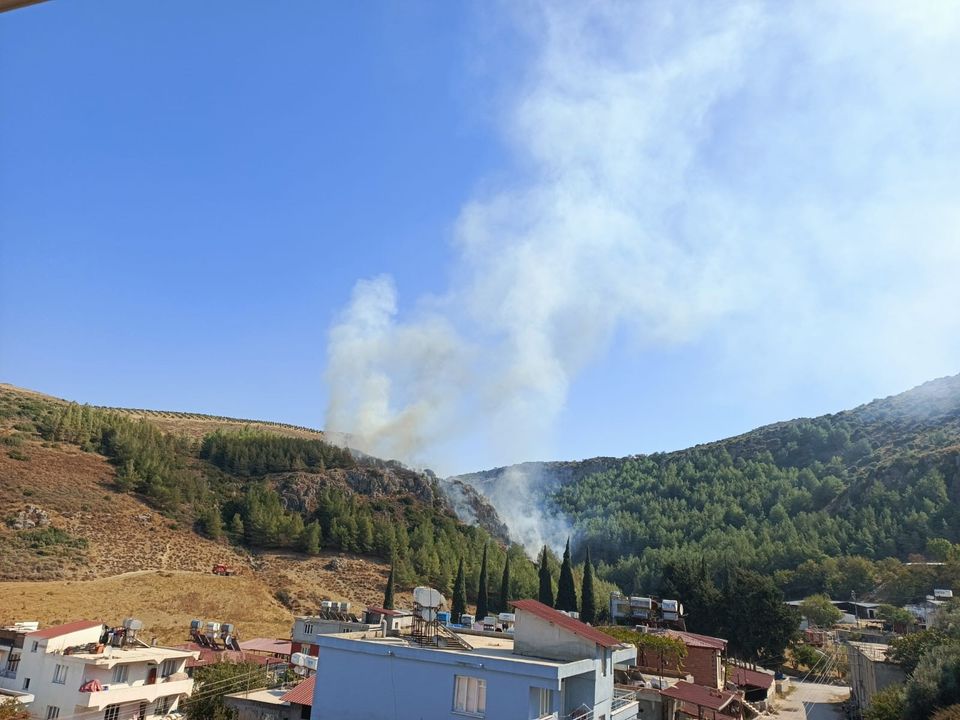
(777, 178)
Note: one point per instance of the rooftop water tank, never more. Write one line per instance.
(427, 597)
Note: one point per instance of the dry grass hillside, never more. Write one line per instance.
(165, 600)
(102, 554)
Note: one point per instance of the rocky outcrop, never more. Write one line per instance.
(32, 516)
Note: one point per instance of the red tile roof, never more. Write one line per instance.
(544, 612)
(699, 695)
(268, 645)
(302, 694)
(702, 641)
(58, 630)
(208, 656)
(743, 676)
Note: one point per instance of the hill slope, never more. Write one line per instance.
(880, 480)
(156, 498)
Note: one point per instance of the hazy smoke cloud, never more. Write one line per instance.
(779, 176)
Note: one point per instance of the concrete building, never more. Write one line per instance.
(552, 666)
(72, 669)
(306, 628)
(871, 671)
(705, 657)
(11, 650)
(647, 611)
(926, 612)
(703, 662)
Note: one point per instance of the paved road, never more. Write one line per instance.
(820, 701)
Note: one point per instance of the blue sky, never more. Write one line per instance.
(480, 233)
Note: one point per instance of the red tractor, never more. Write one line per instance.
(221, 569)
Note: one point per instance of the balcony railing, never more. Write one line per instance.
(622, 700)
(121, 693)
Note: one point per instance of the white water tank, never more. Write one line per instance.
(304, 660)
(428, 597)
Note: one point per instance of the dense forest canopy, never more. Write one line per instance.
(881, 481)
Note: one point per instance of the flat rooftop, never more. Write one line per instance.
(270, 697)
(872, 651)
(483, 646)
(112, 655)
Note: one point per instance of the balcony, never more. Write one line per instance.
(624, 705)
(123, 693)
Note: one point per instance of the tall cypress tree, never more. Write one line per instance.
(505, 586)
(388, 593)
(566, 588)
(588, 601)
(546, 582)
(482, 595)
(459, 594)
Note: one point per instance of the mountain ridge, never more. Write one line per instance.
(880, 480)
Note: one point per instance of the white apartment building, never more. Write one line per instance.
(72, 673)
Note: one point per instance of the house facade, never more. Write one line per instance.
(552, 667)
(703, 662)
(70, 670)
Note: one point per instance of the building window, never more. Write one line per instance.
(142, 715)
(308, 628)
(163, 704)
(26, 683)
(168, 668)
(60, 674)
(544, 702)
(52, 712)
(470, 695)
(112, 712)
(36, 644)
(120, 673)
(13, 662)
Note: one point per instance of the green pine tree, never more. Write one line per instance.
(566, 588)
(388, 593)
(459, 606)
(505, 586)
(482, 594)
(236, 526)
(588, 600)
(546, 582)
(310, 538)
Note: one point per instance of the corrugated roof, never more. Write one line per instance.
(699, 695)
(745, 676)
(208, 656)
(694, 640)
(65, 629)
(302, 694)
(270, 645)
(556, 617)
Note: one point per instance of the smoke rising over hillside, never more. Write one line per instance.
(778, 177)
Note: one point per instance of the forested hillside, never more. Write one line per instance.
(880, 481)
(251, 486)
